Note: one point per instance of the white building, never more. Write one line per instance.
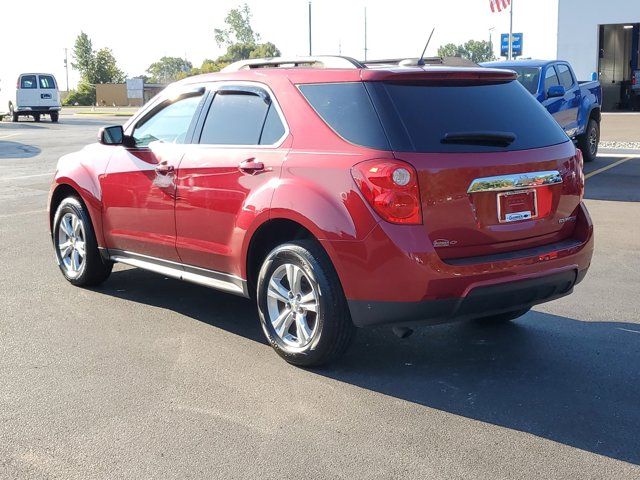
(603, 37)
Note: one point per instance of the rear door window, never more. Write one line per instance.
(234, 119)
(347, 109)
(28, 81)
(566, 79)
(47, 81)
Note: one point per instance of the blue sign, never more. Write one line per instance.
(516, 44)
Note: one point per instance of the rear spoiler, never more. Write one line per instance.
(439, 74)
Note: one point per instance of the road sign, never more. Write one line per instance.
(517, 44)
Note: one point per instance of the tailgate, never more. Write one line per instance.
(485, 203)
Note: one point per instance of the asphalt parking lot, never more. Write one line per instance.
(147, 377)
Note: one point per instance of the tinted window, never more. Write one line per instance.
(46, 81)
(566, 79)
(428, 113)
(529, 77)
(234, 119)
(347, 109)
(170, 124)
(273, 128)
(550, 79)
(28, 81)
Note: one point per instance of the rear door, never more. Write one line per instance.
(49, 96)
(223, 180)
(496, 172)
(28, 94)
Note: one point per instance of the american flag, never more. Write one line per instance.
(499, 5)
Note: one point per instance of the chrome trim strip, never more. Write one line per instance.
(201, 276)
(515, 181)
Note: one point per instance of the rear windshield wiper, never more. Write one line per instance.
(491, 139)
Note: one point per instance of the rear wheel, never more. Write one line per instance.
(503, 317)
(76, 247)
(589, 140)
(36, 117)
(303, 311)
(54, 117)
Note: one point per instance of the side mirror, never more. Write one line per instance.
(113, 135)
(556, 91)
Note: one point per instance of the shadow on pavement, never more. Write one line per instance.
(619, 183)
(569, 381)
(17, 150)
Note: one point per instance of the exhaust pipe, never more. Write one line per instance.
(402, 332)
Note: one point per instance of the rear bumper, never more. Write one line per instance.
(480, 302)
(393, 277)
(37, 109)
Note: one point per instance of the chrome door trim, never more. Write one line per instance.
(501, 183)
(201, 276)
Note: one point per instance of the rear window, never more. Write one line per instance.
(47, 81)
(28, 81)
(431, 113)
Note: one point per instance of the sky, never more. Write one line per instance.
(140, 32)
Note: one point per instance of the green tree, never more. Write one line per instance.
(240, 38)
(475, 50)
(106, 69)
(169, 69)
(238, 28)
(83, 57)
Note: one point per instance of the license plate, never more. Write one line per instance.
(517, 205)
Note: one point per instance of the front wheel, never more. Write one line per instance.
(13, 113)
(303, 310)
(76, 247)
(589, 140)
(36, 117)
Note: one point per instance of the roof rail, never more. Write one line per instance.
(321, 61)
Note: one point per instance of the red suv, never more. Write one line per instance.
(336, 195)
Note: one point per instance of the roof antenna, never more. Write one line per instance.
(421, 62)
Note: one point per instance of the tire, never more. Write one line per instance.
(54, 117)
(12, 112)
(588, 141)
(72, 228)
(502, 317)
(308, 338)
(36, 117)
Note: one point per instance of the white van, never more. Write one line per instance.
(35, 94)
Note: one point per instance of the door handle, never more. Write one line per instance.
(163, 168)
(251, 166)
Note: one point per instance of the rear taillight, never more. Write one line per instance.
(391, 188)
(580, 173)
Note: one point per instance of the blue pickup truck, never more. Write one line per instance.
(575, 105)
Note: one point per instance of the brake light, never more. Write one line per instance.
(391, 188)
(580, 172)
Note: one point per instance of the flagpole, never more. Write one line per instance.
(511, 30)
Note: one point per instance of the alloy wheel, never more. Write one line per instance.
(293, 304)
(71, 244)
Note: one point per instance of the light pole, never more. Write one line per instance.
(511, 30)
(365, 34)
(491, 39)
(310, 50)
(66, 66)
